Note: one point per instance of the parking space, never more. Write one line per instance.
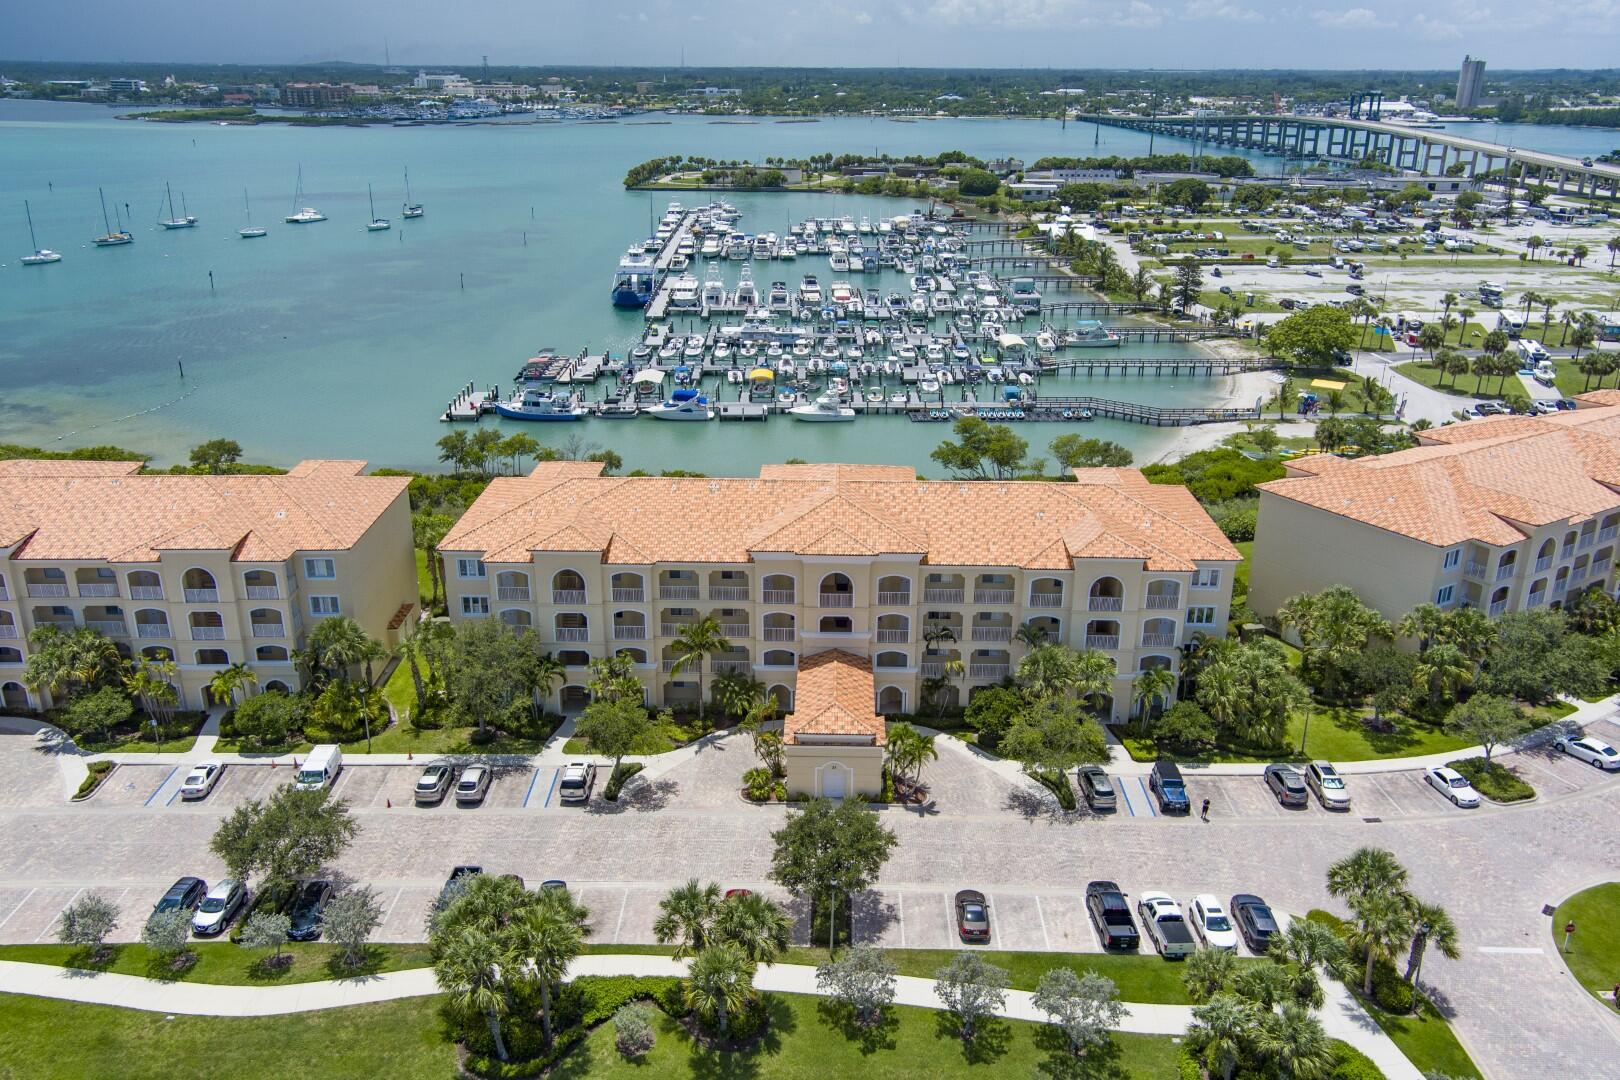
(1135, 799)
(405, 910)
(32, 915)
(135, 785)
(32, 775)
(244, 783)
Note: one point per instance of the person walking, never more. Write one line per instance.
(1204, 814)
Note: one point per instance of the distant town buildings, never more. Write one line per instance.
(1470, 83)
(315, 95)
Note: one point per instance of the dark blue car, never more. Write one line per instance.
(1167, 786)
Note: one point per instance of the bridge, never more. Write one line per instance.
(1426, 151)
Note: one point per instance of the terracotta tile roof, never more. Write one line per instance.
(62, 511)
(22, 467)
(834, 696)
(1489, 480)
(840, 510)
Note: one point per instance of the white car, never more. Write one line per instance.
(1592, 751)
(1209, 918)
(201, 779)
(1451, 784)
(577, 779)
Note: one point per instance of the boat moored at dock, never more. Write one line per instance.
(532, 403)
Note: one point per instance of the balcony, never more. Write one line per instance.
(1106, 603)
(8, 630)
(1536, 599)
(1105, 642)
(728, 592)
(1543, 563)
(1046, 599)
(992, 596)
(1498, 608)
(677, 592)
(1505, 571)
(837, 599)
(1474, 568)
(202, 596)
(152, 630)
(730, 667)
(894, 599)
(46, 590)
(263, 592)
(1609, 532)
(893, 637)
(933, 669)
(97, 589)
(1577, 575)
(735, 630)
(512, 592)
(269, 629)
(629, 596)
(1587, 540)
(1600, 568)
(573, 633)
(942, 596)
(207, 633)
(1158, 641)
(567, 596)
(4, 593)
(1566, 551)
(629, 633)
(991, 633)
(672, 629)
(779, 596)
(1163, 601)
(109, 627)
(778, 633)
(146, 592)
(987, 671)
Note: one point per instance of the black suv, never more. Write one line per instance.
(1111, 914)
(1167, 786)
(183, 895)
(1254, 921)
(306, 909)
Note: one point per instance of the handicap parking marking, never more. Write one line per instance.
(1147, 798)
(527, 795)
(553, 788)
(159, 788)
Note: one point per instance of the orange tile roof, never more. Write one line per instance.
(840, 510)
(834, 696)
(58, 511)
(1489, 480)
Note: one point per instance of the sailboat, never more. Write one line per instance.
(411, 209)
(41, 256)
(302, 215)
(376, 224)
(185, 220)
(250, 230)
(113, 237)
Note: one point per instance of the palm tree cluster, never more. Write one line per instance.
(1452, 646)
(1247, 688)
(906, 751)
(1334, 628)
(727, 937)
(1093, 258)
(71, 665)
(1385, 916)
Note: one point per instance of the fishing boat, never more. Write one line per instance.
(41, 256)
(112, 237)
(633, 281)
(410, 209)
(810, 290)
(183, 220)
(682, 405)
(376, 224)
(302, 215)
(825, 408)
(747, 295)
(250, 230)
(714, 289)
(1090, 334)
(533, 403)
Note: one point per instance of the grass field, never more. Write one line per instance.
(1594, 952)
(226, 964)
(174, 737)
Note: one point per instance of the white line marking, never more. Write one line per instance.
(389, 913)
(18, 908)
(1045, 941)
(900, 906)
(58, 915)
(950, 917)
(623, 903)
(1512, 950)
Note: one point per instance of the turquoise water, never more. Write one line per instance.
(326, 340)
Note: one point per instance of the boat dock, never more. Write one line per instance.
(1071, 409)
(1200, 365)
(471, 403)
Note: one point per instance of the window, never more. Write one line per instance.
(1453, 557)
(320, 569)
(1206, 579)
(475, 605)
(470, 568)
(1200, 616)
(1443, 597)
(323, 605)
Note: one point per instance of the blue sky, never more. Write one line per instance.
(1425, 34)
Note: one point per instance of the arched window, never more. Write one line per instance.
(1107, 594)
(836, 624)
(891, 660)
(261, 585)
(200, 587)
(213, 657)
(567, 587)
(8, 655)
(891, 700)
(145, 585)
(778, 658)
(837, 591)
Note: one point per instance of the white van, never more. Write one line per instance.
(320, 769)
(1532, 351)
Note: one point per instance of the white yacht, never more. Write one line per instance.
(810, 290)
(532, 403)
(41, 256)
(410, 209)
(825, 408)
(714, 289)
(182, 220)
(710, 247)
(302, 215)
(1090, 334)
(839, 262)
(683, 293)
(682, 405)
(376, 224)
(747, 295)
(249, 231)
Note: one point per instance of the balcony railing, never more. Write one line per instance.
(1506, 571)
(146, 592)
(629, 633)
(629, 596)
(1609, 532)
(735, 630)
(152, 629)
(1566, 551)
(207, 633)
(933, 669)
(1600, 568)
(1158, 641)
(1164, 601)
(1536, 599)
(1474, 569)
(109, 627)
(942, 596)
(97, 588)
(1046, 599)
(567, 596)
(728, 592)
(4, 595)
(511, 592)
(991, 633)
(677, 592)
(837, 599)
(987, 671)
(1586, 541)
(779, 633)
(269, 629)
(8, 630)
(202, 596)
(1106, 603)
(1577, 575)
(779, 596)
(1543, 563)
(736, 667)
(893, 637)
(895, 599)
(46, 590)
(573, 633)
(992, 596)
(1498, 608)
(1106, 642)
(672, 629)
(263, 592)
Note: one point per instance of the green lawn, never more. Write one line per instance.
(1240, 576)
(1426, 1040)
(1332, 733)
(424, 583)
(1594, 951)
(174, 737)
(223, 963)
(1420, 371)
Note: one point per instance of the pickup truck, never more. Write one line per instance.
(1162, 922)
(1111, 915)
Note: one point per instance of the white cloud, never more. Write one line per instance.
(1022, 14)
(863, 18)
(1436, 29)
(1352, 19)
(1221, 11)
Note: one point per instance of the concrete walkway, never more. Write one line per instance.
(1342, 1018)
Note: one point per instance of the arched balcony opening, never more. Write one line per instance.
(891, 660)
(993, 589)
(835, 624)
(894, 591)
(206, 626)
(1102, 634)
(779, 589)
(571, 626)
(512, 586)
(1106, 594)
(1046, 593)
(837, 591)
(266, 622)
(199, 586)
(629, 626)
(944, 589)
(517, 619)
(779, 626)
(893, 629)
(567, 587)
(1159, 634)
(213, 658)
(635, 656)
(628, 588)
(271, 654)
(1049, 627)
(728, 585)
(678, 585)
(145, 585)
(261, 585)
(779, 658)
(96, 581)
(1163, 595)
(891, 701)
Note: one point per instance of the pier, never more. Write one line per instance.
(1207, 366)
(1071, 409)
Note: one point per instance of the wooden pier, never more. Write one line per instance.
(1091, 309)
(1073, 409)
(1144, 366)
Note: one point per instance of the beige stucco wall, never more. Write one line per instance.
(807, 765)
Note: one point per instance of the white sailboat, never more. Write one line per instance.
(41, 256)
(376, 224)
(112, 237)
(184, 220)
(410, 209)
(250, 230)
(302, 215)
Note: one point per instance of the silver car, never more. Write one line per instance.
(1453, 785)
(473, 785)
(1323, 779)
(1591, 750)
(219, 907)
(201, 779)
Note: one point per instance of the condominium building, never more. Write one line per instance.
(1470, 83)
(920, 579)
(1507, 514)
(204, 570)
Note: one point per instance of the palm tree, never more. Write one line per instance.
(470, 969)
(428, 529)
(546, 671)
(152, 683)
(907, 750)
(694, 645)
(339, 643)
(1529, 297)
(1334, 400)
(935, 634)
(686, 916)
(1047, 670)
(1364, 871)
(1151, 687)
(223, 686)
(1464, 317)
(1094, 673)
(1382, 922)
(545, 938)
(1224, 1028)
(411, 651)
(1208, 972)
(1614, 249)
(1441, 672)
(1447, 300)
(719, 983)
(1430, 923)
(755, 925)
(1294, 1039)
(1287, 396)
(1029, 635)
(736, 692)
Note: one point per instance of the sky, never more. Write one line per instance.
(1387, 34)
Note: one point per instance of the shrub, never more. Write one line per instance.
(1188, 1066)
(616, 782)
(758, 784)
(1390, 991)
(98, 773)
(1493, 780)
(1352, 1064)
(991, 712)
(633, 1031)
(267, 719)
(1239, 525)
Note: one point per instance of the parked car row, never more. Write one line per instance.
(471, 784)
(1174, 934)
(212, 910)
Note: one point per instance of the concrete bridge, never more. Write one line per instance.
(1426, 151)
